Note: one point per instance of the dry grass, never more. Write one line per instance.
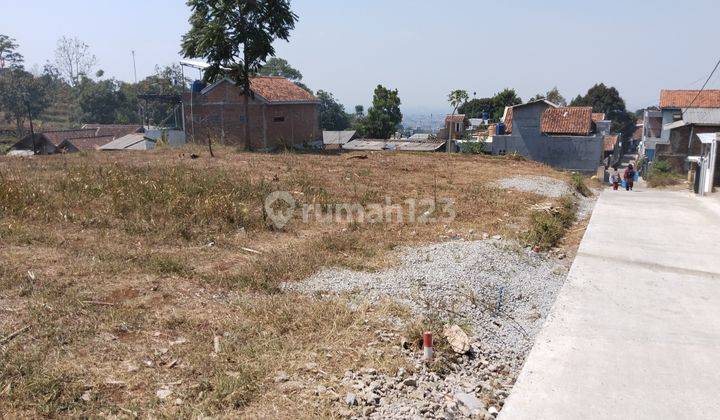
(110, 259)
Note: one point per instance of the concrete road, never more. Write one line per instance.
(635, 333)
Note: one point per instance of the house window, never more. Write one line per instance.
(279, 119)
(457, 127)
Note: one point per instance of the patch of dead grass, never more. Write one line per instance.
(131, 252)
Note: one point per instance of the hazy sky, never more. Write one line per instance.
(424, 48)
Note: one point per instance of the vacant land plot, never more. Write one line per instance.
(150, 284)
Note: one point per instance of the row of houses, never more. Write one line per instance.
(91, 137)
(682, 132)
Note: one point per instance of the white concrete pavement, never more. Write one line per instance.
(635, 332)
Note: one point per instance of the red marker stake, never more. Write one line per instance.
(427, 346)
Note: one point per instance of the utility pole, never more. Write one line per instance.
(141, 114)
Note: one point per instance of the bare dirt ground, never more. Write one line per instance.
(149, 284)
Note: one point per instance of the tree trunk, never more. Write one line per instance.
(19, 129)
(246, 102)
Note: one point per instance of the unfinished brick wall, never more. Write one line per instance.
(220, 116)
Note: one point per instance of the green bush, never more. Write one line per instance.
(578, 182)
(473, 148)
(662, 175)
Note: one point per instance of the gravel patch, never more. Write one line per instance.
(542, 185)
(501, 293)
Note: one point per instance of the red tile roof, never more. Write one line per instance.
(280, 89)
(610, 142)
(598, 116)
(687, 98)
(57, 137)
(573, 121)
(458, 118)
(90, 143)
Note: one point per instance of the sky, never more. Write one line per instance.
(423, 48)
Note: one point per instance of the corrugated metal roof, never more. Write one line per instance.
(702, 116)
(398, 145)
(130, 142)
(337, 137)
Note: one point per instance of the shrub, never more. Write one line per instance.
(578, 182)
(549, 227)
(662, 175)
(473, 148)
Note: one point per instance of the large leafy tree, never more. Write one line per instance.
(101, 102)
(608, 101)
(507, 97)
(475, 108)
(384, 117)
(332, 113)
(280, 67)
(9, 57)
(236, 37)
(23, 96)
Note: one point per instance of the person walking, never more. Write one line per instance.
(629, 177)
(615, 179)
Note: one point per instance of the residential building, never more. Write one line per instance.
(685, 115)
(455, 125)
(651, 135)
(281, 114)
(88, 138)
(562, 137)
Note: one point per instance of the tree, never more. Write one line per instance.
(73, 59)
(553, 95)
(455, 98)
(475, 108)
(607, 100)
(507, 97)
(101, 102)
(384, 116)
(9, 57)
(280, 67)
(22, 96)
(332, 114)
(235, 38)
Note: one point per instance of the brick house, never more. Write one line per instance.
(281, 114)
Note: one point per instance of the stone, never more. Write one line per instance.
(163, 393)
(282, 377)
(320, 390)
(410, 382)
(310, 367)
(458, 340)
(493, 411)
(368, 371)
(86, 396)
(351, 400)
(372, 398)
(292, 386)
(178, 401)
(470, 401)
(497, 237)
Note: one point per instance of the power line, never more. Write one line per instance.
(704, 86)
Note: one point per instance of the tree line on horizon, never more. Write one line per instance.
(237, 42)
